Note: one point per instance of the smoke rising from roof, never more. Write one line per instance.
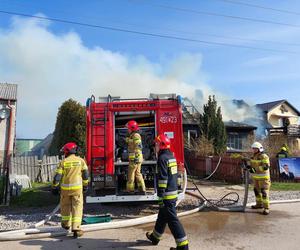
(51, 68)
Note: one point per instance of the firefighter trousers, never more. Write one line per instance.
(261, 191)
(134, 173)
(71, 206)
(167, 215)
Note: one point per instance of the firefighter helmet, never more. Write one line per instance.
(283, 148)
(69, 148)
(163, 141)
(132, 125)
(258, 145)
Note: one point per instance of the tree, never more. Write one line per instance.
(70, 126)
(212, 126)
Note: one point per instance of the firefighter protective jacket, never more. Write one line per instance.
(134, 142)
(71, 174)
(167, 175)
(261, 163)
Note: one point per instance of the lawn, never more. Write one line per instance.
(38, 196)
(285, 186)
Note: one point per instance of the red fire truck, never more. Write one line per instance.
(106, 149)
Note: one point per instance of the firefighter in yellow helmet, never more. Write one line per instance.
(71, 178)
(134, 142)
(260, 170)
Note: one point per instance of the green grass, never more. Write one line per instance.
(37, 196)
(282, 186)
(285, 186)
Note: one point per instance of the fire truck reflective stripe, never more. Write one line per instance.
(156, 235)
(66, 217)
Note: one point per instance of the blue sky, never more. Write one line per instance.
(254, 75)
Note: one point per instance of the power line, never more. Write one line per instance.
(260, 7)
(145, 33)
(199, 33)
(217, 14)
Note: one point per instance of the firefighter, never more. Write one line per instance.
(283, 153)
(71, 178)
(135, 155)
(259, 167)
(167, 193)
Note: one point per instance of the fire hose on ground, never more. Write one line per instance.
(44, 232)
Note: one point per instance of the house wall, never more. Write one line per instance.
(276, 114)
(4, 127)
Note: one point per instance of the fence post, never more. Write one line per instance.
(39, 177)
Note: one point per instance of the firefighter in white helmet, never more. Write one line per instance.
(71, 178)
(259, 167)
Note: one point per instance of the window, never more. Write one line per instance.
(236, 140)
(192, 134)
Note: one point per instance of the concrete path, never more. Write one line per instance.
(206, 230)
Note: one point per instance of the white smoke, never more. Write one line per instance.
(51, 68)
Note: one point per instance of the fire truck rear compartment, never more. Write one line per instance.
(146, 121)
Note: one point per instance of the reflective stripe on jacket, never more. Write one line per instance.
(261, 163)
(134, 141)
(71, 174)
(167, 175)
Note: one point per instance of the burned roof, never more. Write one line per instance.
(266, 107)
(233, 124)
(8, 91)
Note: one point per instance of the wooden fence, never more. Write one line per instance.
(229, 170)
(36, 170)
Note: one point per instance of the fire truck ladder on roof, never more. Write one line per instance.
(99, 118)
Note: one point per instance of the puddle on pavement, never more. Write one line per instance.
(211, 221)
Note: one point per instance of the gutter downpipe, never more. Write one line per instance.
(8, 154)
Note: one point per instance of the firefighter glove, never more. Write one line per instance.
(266, 167)
(160, 192)
(252, 170)
(85, 189)
(161, 203)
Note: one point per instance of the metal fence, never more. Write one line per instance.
(37, 170)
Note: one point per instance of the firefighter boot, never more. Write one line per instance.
(185, 247)
(256, 206)
(150, 237)
(77, 233)
(266, 211)
(65, 227)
